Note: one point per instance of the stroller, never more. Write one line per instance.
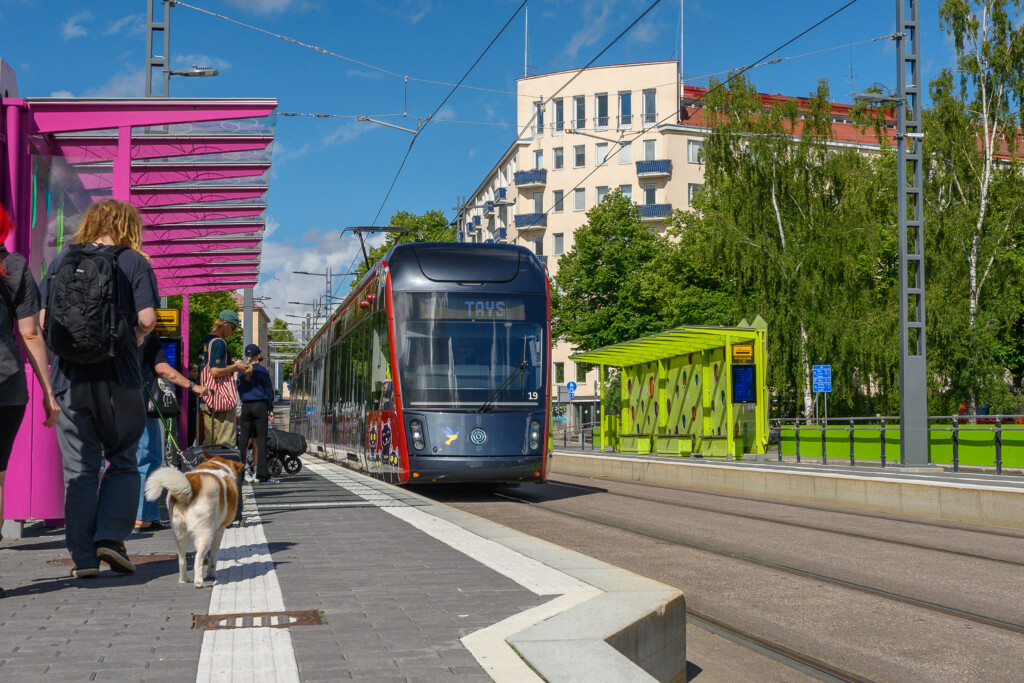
(283, 451)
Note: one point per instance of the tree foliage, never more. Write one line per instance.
(204, 308)
(431, 226)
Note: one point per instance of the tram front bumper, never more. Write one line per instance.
(493, 468)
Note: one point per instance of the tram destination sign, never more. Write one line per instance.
(478, 308)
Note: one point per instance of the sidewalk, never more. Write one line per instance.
(397, 586)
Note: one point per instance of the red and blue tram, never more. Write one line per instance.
(435, 368)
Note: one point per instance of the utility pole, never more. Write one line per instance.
(158, 31)
(913, 362)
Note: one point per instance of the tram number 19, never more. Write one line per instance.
(532, 395)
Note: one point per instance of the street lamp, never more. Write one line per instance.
(162, 30)
(196, 72)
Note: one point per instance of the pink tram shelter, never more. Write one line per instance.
(197, 169)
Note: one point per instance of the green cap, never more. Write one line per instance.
(230, 317)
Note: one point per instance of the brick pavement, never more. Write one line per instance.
(396, 600)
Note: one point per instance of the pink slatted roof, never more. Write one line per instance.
(198, 170)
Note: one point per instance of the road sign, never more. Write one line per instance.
(571, 394)
(822, 375)
(571, 387)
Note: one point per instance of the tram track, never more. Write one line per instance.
(798, 525)
(796, 571)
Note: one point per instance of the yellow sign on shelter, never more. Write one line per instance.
(168, 322)
(743, 353)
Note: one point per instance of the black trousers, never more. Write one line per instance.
(253, 422)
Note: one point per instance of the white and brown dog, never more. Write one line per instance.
(202, 505)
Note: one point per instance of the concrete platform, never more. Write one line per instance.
(969, 498)
(408, 590)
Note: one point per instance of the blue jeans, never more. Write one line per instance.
(150, 456)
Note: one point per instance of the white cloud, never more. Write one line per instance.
(134, 23)
(446, 112)
(128, 83)
(346, 132)
(263, 6)
(595, 15)
(424, 11)
(646, 33)
(197, 59)
(62, 93)
(364, 74)
(72, 28)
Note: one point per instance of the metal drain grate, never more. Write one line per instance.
(211, 622)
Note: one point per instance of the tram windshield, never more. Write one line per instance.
(456, 350)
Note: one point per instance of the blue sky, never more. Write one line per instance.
(332, 173)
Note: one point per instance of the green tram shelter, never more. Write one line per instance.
(690, 390)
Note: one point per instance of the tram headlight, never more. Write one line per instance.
(416, 429)
(534, 435)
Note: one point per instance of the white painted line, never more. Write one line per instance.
(246, 582)
(490, 647)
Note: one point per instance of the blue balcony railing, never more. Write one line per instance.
(501, 193)
(476, 221)
(502, 233)
(654, 211)
(658, 167)
(489, 209)
(531, 220)
(526, 178)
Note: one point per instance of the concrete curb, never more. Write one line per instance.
(635, 630)
(950, 501)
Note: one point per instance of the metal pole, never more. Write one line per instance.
(999, 446)
(797, 441)
(956, 444)
(883, 442)
(913, 365)
(161, 61)
(247, 317)
(851, 443)
(824, 430)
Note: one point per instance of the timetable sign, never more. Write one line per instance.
(168, 322)
(822, 378)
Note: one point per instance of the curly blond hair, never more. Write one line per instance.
(120, 221)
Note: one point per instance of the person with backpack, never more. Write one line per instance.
(161, 404)
(256, 392)
(100, 296)
(19, 308)
(217, 370)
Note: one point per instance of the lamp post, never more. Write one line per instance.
(163, 60)
(910, 231)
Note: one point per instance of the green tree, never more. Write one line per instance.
(431, 226)
(801, 233)
(975, 205)
(204, 308)
(279, 332)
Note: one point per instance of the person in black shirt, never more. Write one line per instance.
(19, 308)
(256, 393)
(151, 446)
(102, 412)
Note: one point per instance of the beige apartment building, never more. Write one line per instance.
(582, 134)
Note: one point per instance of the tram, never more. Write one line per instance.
(436, 368)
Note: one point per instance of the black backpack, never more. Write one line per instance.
(85, 322)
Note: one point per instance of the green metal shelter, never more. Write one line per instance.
(689, 390)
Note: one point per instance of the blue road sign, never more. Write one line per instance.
(571, 394)
(571, 387)
(822, 375)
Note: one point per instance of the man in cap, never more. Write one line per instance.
(256, 392)
(219, 427)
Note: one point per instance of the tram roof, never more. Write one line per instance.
(671, 343)
(198, 170)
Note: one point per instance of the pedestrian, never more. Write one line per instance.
(219, 424)
(193, 405)
(99, 296)
(150, 454)
(19, 308)
(256, 392)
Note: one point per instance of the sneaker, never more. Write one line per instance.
(115, 554)
(2, 594)
(85, 572)
(270, 480)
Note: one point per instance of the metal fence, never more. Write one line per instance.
(580, 435)
(955, 425)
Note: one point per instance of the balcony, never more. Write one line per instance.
(476, 221)
(536, 178)
(501, 193)
(502, 233)
(658, 168)
(531, 220)
(654, 212)
(489, 209)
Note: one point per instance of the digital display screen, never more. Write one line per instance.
(743, 384)
(171, 351)
(471, 308)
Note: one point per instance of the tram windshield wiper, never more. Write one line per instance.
(504, 385)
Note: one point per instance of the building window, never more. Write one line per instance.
(558, 162)
(626, 153)
(650, 150)
(601, 153)
(692, 190)
(650, 191)
(559, 373)
(602, 192)
(693, 148)
(625, 109)
(538, 245)
(538, 159)
(557, 201)
(579, 156)
(581, 111)
(538, 118)
(601, 110)
(538, 202)
(558, 114)
(579, 199)
(650, 107)
(559, 246)
(627, 191)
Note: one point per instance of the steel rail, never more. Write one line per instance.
(800, 525)
(863, 588)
